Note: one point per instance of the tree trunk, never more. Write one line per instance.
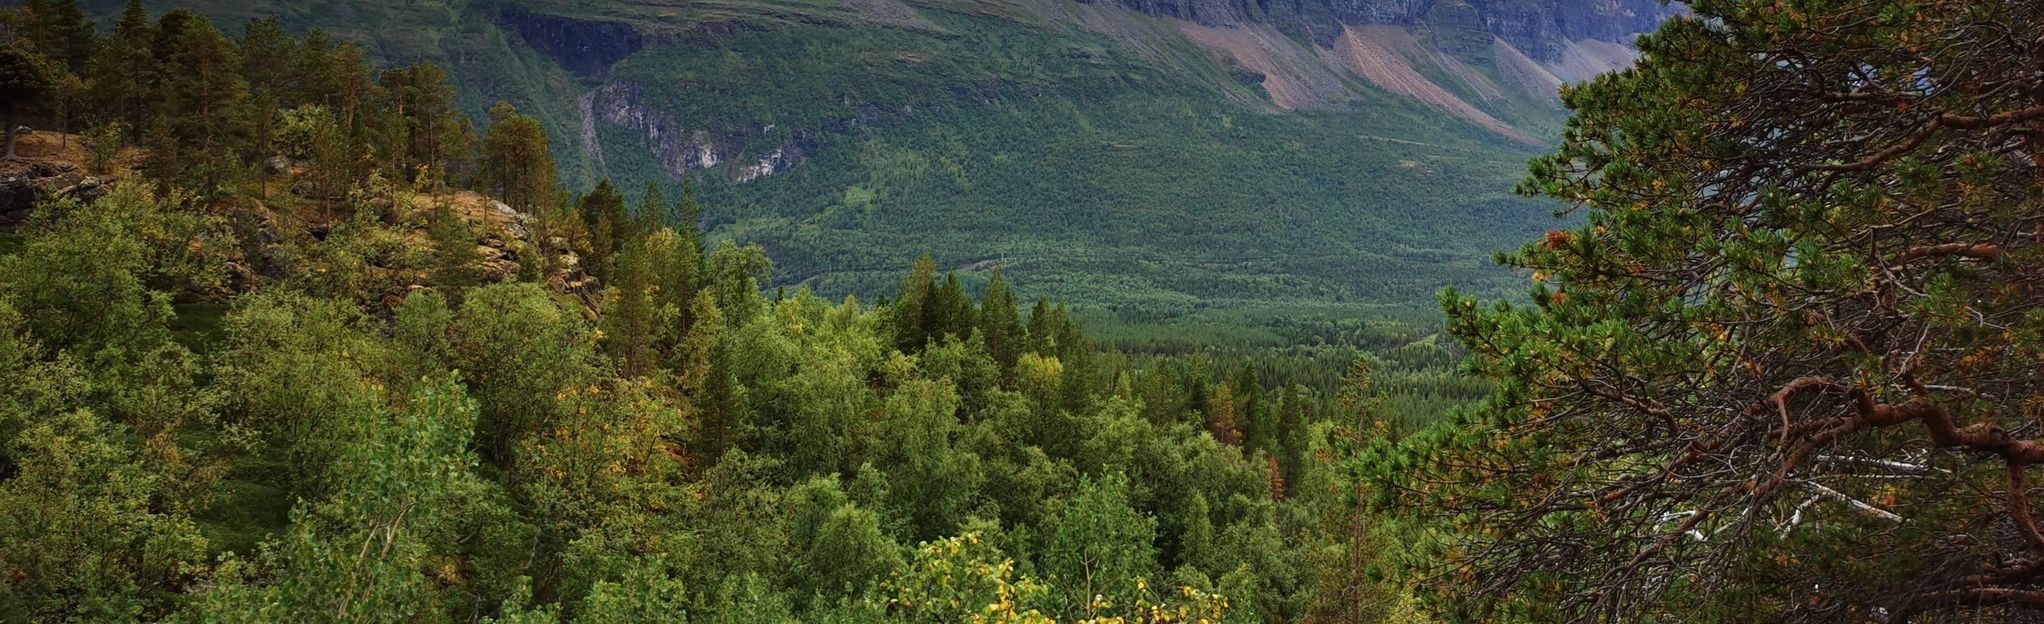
(11, 126)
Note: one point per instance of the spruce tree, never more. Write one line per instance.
(629, 309)
(708, 380)
(949, 312)
(1042, 329)
(1000, 321)
(688, 216)
(1253, 415)
(455, 253)
(912, 308)
(603, 217)
(1293, 438)
(652, 207)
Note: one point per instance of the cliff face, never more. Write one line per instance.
(585, 47)
(1540, 28)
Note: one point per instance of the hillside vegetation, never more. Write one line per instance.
(287, 334)
(1104, 155)
(306, 347)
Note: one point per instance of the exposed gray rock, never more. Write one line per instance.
(24, 185)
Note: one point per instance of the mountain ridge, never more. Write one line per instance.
(1119, 153)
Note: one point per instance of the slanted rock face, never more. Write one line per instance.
(22, 183)
(1540, 28)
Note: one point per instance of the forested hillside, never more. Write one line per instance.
(1167, 157)
(282, 338)
(289, 334)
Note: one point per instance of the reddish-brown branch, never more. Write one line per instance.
(1976, 251)
(1916, 139)
(1986, 597)
(2019, 506)
(1781, 397)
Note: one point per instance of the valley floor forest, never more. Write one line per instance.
(289, 337)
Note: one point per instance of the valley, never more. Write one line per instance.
(1154, 156)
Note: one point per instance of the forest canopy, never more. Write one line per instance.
(289, 338)
(285, 336)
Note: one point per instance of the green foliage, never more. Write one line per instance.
(1099, 546)
(1742, 372)
(516, 163)
(280, 373)
(79, 527)
(27, 80)
(454, 250)
(964, 579)
(643, 595)
(361, 554)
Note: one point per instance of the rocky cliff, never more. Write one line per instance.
(585, 47)
(51, 166)
(1542, 29)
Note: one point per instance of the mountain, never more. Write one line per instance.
(1167, 155)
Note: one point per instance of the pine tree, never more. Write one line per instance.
(202, 94)
(427, 135)
(61, 33)
(26, 85)
(1793, 342)
(1221, 413)
(351, 84)
(123, 72)
(264, 46)
(518, 168)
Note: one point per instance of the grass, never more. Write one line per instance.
(246, 512)
(198, 325)
(12, 243)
